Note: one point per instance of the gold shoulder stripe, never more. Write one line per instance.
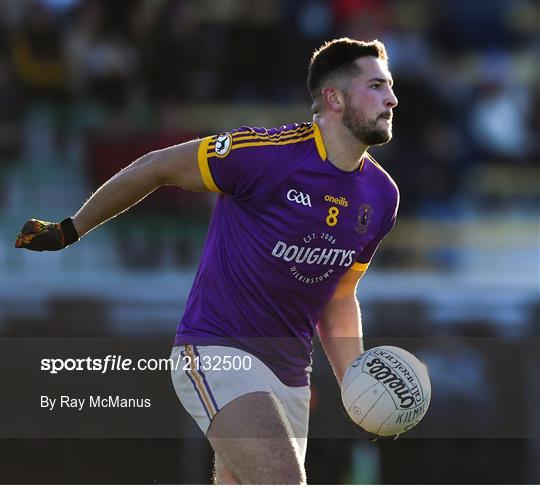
(253, 133)
(362, 163)
(295, 133)
(268, 143)
(204, 168)
(280, 140)
(372, 159)
(360, 267)
(319, 142)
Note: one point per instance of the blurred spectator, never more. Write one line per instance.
(37, 52)
(10, 104)
(425, 151)
(165, 36)
(81, 34)
(466, 75)
(499, 112)
(9, 116)
(111, 68)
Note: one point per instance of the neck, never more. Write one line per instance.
(343, 149)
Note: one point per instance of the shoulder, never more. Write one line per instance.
(296, 136)
(388, 186)
(274, 135)
(248, 160)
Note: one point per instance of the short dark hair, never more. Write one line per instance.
(336, 58)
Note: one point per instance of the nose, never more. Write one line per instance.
(391, 100)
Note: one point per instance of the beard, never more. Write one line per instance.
(366, 131)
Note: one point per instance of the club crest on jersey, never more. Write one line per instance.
(365, 212)
(299, 197)
(223, 144)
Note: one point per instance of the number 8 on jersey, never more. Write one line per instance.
(331, 219)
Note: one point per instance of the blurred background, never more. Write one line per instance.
(88, 86)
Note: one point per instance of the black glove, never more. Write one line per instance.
(40, 235)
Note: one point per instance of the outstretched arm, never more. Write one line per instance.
(340, 325)
(176, 165)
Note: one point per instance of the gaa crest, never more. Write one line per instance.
(365, 212)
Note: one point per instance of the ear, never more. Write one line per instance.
(333, 99)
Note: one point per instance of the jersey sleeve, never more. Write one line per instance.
(247, 161)
(389, 220)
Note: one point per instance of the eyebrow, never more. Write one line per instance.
(382, 80)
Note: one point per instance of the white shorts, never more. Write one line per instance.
(206, 386)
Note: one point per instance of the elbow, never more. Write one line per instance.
(153, 169)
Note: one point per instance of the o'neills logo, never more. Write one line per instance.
(337, 201)
(394, 383)
(313, 255)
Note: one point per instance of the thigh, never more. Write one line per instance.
(204, 390)
(296, 401)
(253, 438)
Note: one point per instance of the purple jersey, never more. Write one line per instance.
(286, 227)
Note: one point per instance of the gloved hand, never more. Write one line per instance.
(40, 235)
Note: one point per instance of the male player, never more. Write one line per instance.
(300, 213)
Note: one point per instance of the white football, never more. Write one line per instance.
(386, 391)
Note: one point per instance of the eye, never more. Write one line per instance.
(376, 86)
